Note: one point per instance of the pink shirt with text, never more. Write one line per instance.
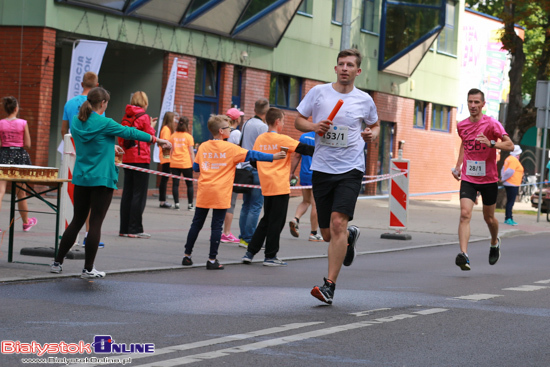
(476, 152)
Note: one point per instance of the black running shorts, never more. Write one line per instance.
(488, 192)
(335, 193)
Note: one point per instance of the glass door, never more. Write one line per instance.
(385, 149)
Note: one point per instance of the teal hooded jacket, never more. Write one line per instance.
(94, 141)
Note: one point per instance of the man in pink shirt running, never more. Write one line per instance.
(477, 167)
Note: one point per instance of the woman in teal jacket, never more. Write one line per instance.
(95, 175)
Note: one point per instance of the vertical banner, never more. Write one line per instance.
(167, 103)
(87, 56)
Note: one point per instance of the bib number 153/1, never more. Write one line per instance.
(337, 136)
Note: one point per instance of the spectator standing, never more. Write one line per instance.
(512, 176)
(95, 175)
(252, 201)
(216, 161)
(235, 137)
(134, 194)
(181, 161)
(307, 194)
(16, 139)
(165, 133)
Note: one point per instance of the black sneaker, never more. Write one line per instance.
(494, 253)
(186, 261)
(353, 236)
(215, 266)
(325, 293)
(462, 261)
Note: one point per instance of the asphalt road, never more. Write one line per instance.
(406, 308)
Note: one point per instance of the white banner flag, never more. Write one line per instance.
(87, 56)
(167, 104)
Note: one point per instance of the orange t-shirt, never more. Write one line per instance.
(274, 176)
(164, 134)
(513, 163)
(180, 156)
(217, 160)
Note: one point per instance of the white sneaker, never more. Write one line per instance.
(92, 274)
(56, 268)
(315, 237)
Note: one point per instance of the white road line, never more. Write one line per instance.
(543, 281)
(431, 311)
(277, 341)
(478, 297)
(223, 339)
(366, 313)
(525, 288)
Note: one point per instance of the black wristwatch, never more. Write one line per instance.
(493, 143)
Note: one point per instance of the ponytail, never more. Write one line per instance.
(10, 104)
(95, 97)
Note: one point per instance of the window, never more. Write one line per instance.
(285, 91)
(446, 40)
(441, 117)
(367, 23)
(420, 114)
(237, 83)
(206, 78)
(338, 11)
(255, 8)
(306, 8)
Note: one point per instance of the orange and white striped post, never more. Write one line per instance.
(66, 209)
(399, 197)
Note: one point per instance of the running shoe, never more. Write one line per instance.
(139, 235)
(353, 236)
(190, 207)
(92, 274)
(294, 228)
(247, 258)
(315, 237)
(243, 243)
(324, 293)
(101, 244)
(274, 262)
(186, 261)
(56, 268)
(165, 205)
(214, 266)
(494, 253)
(31, 222)
(462, 261)
(123, 234)
(177, 206)
(229, 238)
(510, 222)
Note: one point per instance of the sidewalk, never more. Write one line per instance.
(431, 223)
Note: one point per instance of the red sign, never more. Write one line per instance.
(183, 69)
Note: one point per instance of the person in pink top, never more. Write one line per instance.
(16, 138)
(476, 166)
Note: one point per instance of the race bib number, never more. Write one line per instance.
(337, 136)
(475, 168)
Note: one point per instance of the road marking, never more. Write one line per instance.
(280, 341)
(223, 339)
(478, 297)
(431, 311)
(543, 281)
(366, 313)
(525, 288)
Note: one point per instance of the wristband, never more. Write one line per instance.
(153, 139)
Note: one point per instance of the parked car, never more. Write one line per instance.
(545, 207)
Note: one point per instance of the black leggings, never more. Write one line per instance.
(188, 173)
(93, 200)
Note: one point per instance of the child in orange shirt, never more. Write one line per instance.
(275, 188)
(216, 160)
(181, 161)
(167, 130)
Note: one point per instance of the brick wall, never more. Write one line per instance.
(26, 72)
(226, 87)
(255, 85)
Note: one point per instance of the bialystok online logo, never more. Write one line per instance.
(103, 344)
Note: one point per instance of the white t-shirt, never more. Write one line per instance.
(235, 137)
(358, 107)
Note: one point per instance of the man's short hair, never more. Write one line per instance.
(261, 106)
(273, 114)
(351, 52)
(476, 91)
(89, 80)
(215, 122)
